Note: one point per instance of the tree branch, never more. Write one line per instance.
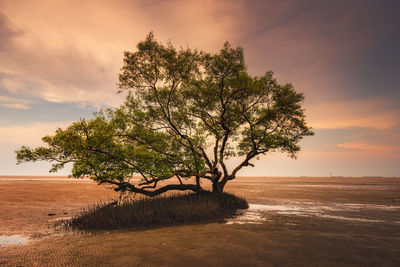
(122, 187)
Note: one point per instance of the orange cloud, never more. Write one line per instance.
(379, 114)
(71, 51)
(365, 146)
(362, 149)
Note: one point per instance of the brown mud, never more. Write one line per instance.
(291, 222)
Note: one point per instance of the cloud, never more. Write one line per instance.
(378, 113)
(353, 44)
(61, 60)
(14, 103)
(365, 146)
(362, 143)
(15, 106)
(72, 51)
(7, 31)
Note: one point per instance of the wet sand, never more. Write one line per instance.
(291, 222)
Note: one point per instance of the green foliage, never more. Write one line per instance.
(186, 113)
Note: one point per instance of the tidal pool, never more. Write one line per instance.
(12, 239)
(369, 213)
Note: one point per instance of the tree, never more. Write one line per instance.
(186, 113)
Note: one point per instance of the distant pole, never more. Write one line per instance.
(330, 174)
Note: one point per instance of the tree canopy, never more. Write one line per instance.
(186, 113)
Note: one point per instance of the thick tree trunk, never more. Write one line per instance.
(218, 187)
(215, 187)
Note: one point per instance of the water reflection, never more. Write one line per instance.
(12, 239)
(369, 213)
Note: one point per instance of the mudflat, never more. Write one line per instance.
(291, 221)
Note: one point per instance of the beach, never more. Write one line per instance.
(292, 221)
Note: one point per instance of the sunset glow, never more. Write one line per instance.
(60, 62)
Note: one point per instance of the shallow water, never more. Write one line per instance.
(258, 213)
(12, 239)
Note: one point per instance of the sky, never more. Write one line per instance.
(60, 60)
